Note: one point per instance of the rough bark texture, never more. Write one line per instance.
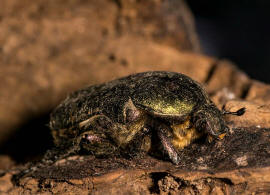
(49, 48)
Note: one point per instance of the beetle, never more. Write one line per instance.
(130, 114)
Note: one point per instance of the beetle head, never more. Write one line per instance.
(209, 119)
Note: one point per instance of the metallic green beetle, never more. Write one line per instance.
(145, 112)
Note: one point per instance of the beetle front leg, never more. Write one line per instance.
(162, 130)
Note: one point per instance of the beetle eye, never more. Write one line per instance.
(201, 125)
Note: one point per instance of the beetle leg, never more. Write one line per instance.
(99, 125)
(138, 146)
(166, 143)
(93, 120)
(102, 125)
(97, 135)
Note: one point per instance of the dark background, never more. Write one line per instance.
(236, 30)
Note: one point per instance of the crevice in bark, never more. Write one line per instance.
(245, 90)
(211, 72)
(156, 176)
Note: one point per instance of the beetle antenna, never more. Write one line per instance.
(239, 112)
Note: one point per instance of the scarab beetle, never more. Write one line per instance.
(129, 114)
